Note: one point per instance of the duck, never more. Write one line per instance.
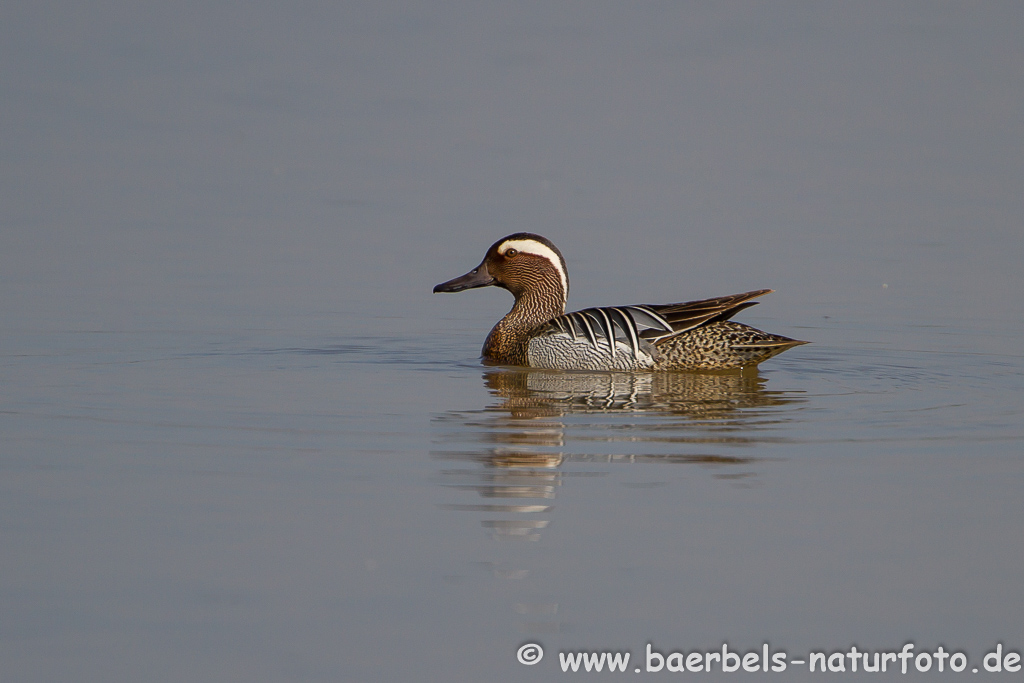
(538, 333)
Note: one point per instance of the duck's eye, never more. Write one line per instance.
(510, 253)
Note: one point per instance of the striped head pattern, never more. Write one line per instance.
(527, 262)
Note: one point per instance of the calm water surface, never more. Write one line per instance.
(243, 442)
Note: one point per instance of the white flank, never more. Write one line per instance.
(537, 249)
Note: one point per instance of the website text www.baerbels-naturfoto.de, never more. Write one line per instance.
(853, 660)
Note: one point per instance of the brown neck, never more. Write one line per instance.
(508, 341)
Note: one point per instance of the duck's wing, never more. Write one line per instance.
(631, 325)
(646, 323)
(692, 314)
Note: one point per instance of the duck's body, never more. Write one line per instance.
(538, 333)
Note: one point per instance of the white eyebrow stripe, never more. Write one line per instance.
(537, 249)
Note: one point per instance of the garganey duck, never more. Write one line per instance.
(537, 332)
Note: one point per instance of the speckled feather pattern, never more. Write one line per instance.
(720, 345)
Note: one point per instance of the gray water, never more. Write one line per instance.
(242, 441)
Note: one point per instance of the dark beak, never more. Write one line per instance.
(478, 277)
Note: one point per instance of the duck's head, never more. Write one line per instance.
(522, 263)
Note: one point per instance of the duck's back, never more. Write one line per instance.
(612, 338)
(686, 336)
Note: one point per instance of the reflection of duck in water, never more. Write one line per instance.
(537, 393)
(531, 429)
(524, 438)
(525, 431)
(538, 333)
